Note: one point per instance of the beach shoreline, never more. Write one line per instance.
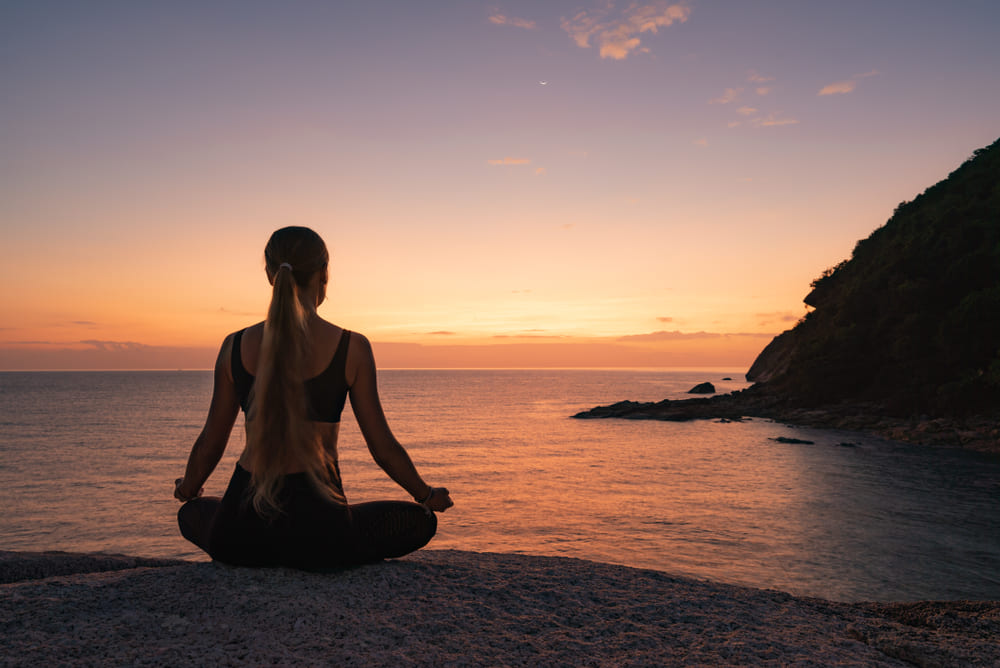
(454, 608)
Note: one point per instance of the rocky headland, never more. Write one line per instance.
(976, 432)
(903, 339)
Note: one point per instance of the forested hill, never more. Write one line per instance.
(911, 322)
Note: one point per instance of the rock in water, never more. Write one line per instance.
(702, 388)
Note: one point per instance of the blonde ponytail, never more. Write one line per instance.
(279, 432)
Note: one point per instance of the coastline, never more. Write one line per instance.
(453, 607)
(977, 433)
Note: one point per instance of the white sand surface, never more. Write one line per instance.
(453, 608)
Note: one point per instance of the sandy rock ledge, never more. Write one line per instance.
(453, 608)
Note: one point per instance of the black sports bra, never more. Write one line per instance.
(326, 393)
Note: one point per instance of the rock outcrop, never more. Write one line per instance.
(911, 322)
(904, 338)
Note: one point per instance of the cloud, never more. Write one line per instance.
(664, 335)
(501, 20)
(772, 120)
(442, 332)
(766, 319)
(727, 97)
(755, 77)
(529, 336)
(617, 36)
(701, 142)
(85, 323)
(746, 111)
(847, 86)
(532, 333)
(838, 88)
(734, 124)
(677, 335)
(539, 171)
(763, 90)
(509, 161)
(663, 319)
(115, 346)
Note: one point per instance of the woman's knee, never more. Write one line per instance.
(195, 519)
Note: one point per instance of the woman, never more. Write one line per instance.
(291, 375)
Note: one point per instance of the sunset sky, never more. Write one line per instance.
(501, 184)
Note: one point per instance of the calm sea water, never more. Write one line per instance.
(87, 462)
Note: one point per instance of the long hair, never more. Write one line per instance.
(279, 432)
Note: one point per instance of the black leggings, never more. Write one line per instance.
(311, 532)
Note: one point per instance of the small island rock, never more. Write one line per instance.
(702, 388)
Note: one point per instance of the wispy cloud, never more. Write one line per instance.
(838, 88)
(755, 77)
(503, 20)
(677, 335)
(664, 319)
(701, 142)
(539, 171)
(773, 120)
(727, 97)
(115, 346)
(529, 336)
(509, 161)
(846, 86)
(779, 317)
(664, 335)
(746, 111)
(617, 33)
(441, 332)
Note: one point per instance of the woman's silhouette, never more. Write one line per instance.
(291, 375)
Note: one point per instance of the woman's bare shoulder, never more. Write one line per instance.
(256, 329)
(357, 338)
(359, 356)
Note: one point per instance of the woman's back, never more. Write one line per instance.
(324, 378)
(324, 337)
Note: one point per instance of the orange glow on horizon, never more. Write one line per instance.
(518, 189)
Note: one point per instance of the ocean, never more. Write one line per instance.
(88, 460)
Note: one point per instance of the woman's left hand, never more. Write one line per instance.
(183, 497)
(439, 500)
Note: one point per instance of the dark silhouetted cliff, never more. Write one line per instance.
(910, 324)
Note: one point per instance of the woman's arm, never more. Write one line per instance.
(211, 443)
(385, 449)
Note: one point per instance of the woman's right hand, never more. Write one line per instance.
(180, 496)
(439, 500)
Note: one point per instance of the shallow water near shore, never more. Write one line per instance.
(87, 462)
